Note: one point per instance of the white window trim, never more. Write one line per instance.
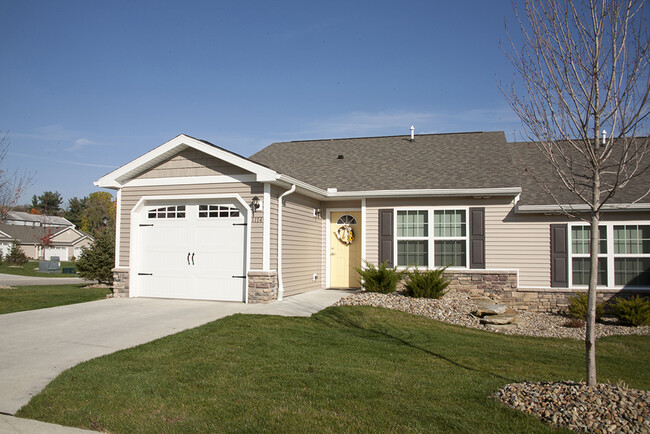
(610, 255)
(430, 237)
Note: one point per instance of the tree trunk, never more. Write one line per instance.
(590, 339)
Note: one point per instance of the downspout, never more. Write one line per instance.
(280, 285)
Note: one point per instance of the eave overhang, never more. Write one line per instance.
(580, 208)
(119, 177)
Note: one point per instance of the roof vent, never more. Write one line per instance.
(340, 157)
(412, 133)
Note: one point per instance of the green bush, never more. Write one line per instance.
(634, 311)
(578, 307)
(16, 255)
(96, 262)
(380, 279)
(427, 284)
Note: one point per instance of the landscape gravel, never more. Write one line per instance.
(604, 408)
(457, 307)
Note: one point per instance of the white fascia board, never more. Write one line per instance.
(424, 192)
(615, 207)
(118, 177)
(428, 192)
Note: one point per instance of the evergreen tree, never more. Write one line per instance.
(96, 262)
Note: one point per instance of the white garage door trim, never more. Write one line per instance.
(152, 200)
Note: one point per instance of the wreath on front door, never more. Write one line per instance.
(345, 234)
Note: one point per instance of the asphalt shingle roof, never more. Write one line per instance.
(436, 161)
(431, 161)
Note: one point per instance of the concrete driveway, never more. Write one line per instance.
(15, 280)
(37, 345)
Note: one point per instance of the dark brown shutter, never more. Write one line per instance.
(386, 236)
(559, 257)
(477, 238)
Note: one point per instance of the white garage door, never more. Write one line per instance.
(61, 252)
(194, 251)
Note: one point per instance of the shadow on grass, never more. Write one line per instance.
(346, 320)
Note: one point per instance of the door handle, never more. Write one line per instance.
(192, 258)
(188, 258)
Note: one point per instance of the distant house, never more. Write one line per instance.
(19, 218)
(42, 236)
(197, 221)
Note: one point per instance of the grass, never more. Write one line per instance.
(41, 296)
(344, 369)
(31, 269)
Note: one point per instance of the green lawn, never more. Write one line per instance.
(39, 297)
(344, 369)
(31, 269)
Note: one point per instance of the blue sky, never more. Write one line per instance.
(87, 86)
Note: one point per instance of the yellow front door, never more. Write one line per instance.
(345, 254)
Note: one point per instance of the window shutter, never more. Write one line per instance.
(386, 236)
(477, 238)
(559, 257)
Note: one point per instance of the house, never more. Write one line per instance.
(44, 241)
(20, 218)
(197, 221)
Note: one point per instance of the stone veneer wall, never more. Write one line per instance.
(262, 286)
(502, 285)
(120, 282)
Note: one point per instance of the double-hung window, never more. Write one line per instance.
(447, 239)
(580, 253)
(413, 238)
(632, 255)
(623, 255)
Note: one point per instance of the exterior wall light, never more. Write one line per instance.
(255, 203)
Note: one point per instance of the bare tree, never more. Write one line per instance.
(584, 67)
(12, 184)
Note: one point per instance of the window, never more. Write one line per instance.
(346, 219)
(448, 240)
(412, 238)
(632, 255)
(623, 255)
(217, 211)
(169, 212)
(580, 251)
(449, 234)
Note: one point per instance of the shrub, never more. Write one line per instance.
(634, 311)
(574, 323)
(427, 284)
(96, 262)
(16, 255)
(578, 307)
(380, 279)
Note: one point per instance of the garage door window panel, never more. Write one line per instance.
(217, 211)
(169, 212)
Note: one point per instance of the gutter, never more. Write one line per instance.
(280, 283)
(564, 208)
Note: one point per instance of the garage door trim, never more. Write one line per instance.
(151, 200)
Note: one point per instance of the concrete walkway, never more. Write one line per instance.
(16, 280)
(38, 345)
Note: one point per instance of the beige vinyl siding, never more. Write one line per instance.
(191, 162)
(302, 245)
(30, 250)
(275, 193)
(68, 236)
(372, 235)
(131, 195)
(519, 242)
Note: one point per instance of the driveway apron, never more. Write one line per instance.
(37, 345)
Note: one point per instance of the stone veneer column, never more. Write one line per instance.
(120, 282)
(262, 286)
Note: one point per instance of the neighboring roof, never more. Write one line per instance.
(119, 177)
(34, 234)
(532, 167)
(431, 161)
(38, 218)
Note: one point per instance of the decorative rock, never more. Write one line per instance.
(491, 309)
(500, 327)
(498, 319)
